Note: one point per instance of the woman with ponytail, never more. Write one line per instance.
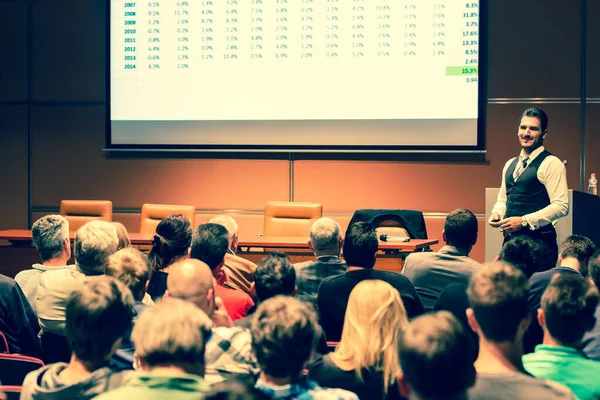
(170, 244)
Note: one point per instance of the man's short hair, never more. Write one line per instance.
(594, 268)
(130, 267)
(498, 296)
(274, 275)
(94, 243)
(569, 303)
(227, 221)
(48, 234)
(209, 244)
(325, 236)
(173, 332)
(98, 313)
(579, 247)
(122, 234)
(461, 228)
(360, 245)
(538, 113)
(433, 346)
(284, 333)
(523, 253)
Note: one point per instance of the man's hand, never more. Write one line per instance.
(220, 316)
(494, 220)
(510, 225)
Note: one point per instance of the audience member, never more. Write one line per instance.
(94, 243)
(123, 235)
(434, 358)
(50, 236)
(229, 352)
(568, 307)
(209, 245)
(98, 315)
(360, 250)
(591, 340)
(169, 341)
(18, 322)
(235, 389)
(432, 272)
(523, 253)
(499, 314)
(366, 359)
(170, 244)
(284, 334)
(326, 242)
(238, 271)
(130, 267)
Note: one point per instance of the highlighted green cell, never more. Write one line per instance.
(462, 70)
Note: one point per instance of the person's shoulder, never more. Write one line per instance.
(305, 264)
(518, 386)
(233, 260)
(320, 393)
(6, 282)
(553, 160)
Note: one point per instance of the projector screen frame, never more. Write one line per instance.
(475, 153)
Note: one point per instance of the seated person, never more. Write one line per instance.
(326, 242)
(99, 313)
(360, 251)
(209, 245)
(284, 334)
(434, 358)
(169, 344)
(50, 235)
(238, 272)
(432, 272)
(130, 267)
(568, 307)
(591, 340)
(94, 243)
(170, 244)
(365, 361)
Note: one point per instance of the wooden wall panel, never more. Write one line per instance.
(13, 51)
(593, 49)
(592, 142)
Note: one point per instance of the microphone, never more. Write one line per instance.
(565, 163)
(391, 238)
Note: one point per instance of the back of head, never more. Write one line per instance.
(94, 243)
(284, 334)
(191, 280)
(48, 234)
(374, 316)
(593, 267)
(130, 267)
(325, 235)
(174, 332)
(461, 228)
(209, 244)
(274, 275)
(228, 222)
(360, 245)
(579, 247)
(123, 235)
(569, 305)
(538, 113)
(99, 313)
(171, 241)
(434, 357)
(525, 254)
(498, 297)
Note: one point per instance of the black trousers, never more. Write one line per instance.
(546, 237)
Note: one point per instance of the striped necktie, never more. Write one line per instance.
(520, 168)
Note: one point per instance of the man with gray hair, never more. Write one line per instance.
(326, 242)
(50, 236)
(239, 272)
(94, 243)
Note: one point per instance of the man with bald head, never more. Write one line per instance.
(228, 352)
(239, 271)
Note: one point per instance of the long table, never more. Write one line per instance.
(19, 254)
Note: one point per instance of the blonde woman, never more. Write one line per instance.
(366, 359)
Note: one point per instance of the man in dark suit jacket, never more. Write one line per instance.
(360, 250)
(432, 272)
(326, 241)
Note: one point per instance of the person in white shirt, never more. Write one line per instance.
(534, 191)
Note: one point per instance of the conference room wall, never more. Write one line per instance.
(592, 148)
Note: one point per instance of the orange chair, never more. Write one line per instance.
(79, 212)
(290, 219)
(152, 214)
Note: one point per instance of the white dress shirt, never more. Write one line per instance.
(553, 175)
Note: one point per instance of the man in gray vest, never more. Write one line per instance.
(533, 194)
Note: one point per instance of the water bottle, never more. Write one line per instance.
(593, 185)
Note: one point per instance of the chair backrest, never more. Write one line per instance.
(14, 368)
(11, 392)
(79, 212)
(152, 214)
(394, 222)
(3, 343)
(290, 219)
(55, 348)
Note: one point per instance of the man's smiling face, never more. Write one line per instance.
(530, 134)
